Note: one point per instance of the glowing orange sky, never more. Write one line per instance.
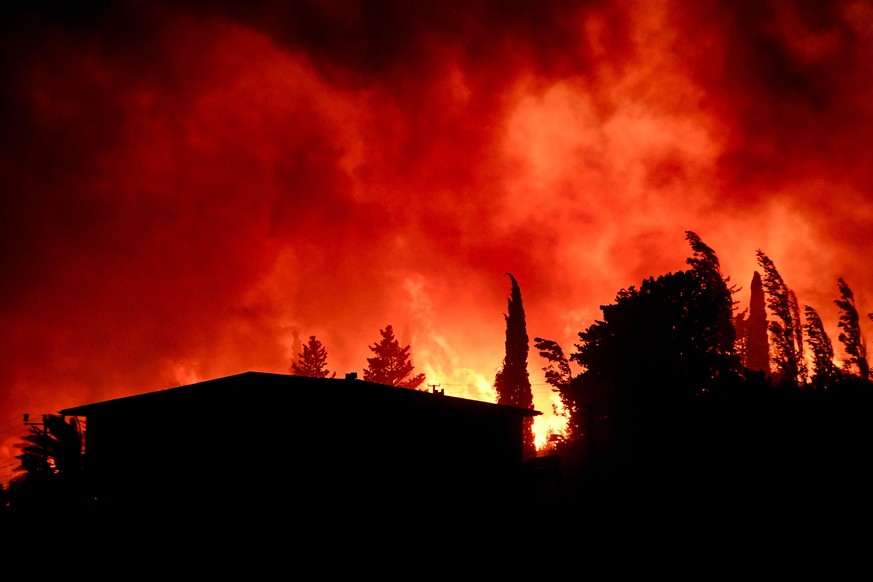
(184, 187)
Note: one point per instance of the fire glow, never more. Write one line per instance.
(187, 187)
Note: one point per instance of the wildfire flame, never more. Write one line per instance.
(185, 183)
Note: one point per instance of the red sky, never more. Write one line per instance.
(186, 184)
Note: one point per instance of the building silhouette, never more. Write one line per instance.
(274, 448)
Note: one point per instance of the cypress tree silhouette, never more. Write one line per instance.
(851, 337)
(757, 344)
(786, 357)
(802, 370)
(512, 382)
(824, 371)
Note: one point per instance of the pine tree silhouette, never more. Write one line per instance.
(312, 361)
(391, 363)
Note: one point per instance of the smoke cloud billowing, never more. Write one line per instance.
(188, 185)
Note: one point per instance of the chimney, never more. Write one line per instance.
(351, 376)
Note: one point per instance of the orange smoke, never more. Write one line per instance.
(186, 186)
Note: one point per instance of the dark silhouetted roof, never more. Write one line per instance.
(296, 394)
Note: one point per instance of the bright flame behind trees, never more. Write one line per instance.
(187, 183)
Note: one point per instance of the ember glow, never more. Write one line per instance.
(187, 185)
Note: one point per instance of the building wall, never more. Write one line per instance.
(302, 453)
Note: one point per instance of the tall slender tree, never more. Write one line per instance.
(851, 336)
(312, 361)
(391, 363)
(786, 357)
(824, 371)
(512, 382)
(757, 348)
(802, 369)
